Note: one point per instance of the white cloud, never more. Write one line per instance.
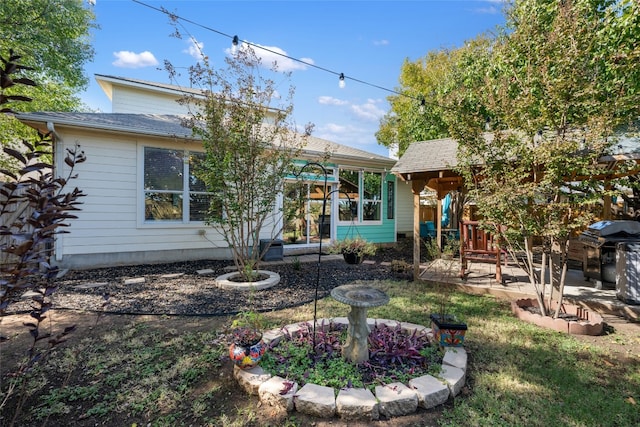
(362, 138)
(369, 111)
(329, 100)
(270, 54)
(382, 42)
(126, 59)
(491, 10)
(195, 49)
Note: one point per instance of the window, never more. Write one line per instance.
(360, 195)
(372, 196)
(173, 190)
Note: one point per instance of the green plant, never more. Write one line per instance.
(250, 143)
(451, 245)
(247, 327)
(394, 355)
(296, 264)
(431, 248)
(400, 266)
(357, 246)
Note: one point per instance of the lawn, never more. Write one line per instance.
(173, 371)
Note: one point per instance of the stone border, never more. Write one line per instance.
(390, 400)
(592, 323)
(223, 282)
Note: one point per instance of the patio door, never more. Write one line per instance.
(303, 213)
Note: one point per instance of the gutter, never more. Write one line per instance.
(56, 147)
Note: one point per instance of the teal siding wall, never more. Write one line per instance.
(378, 233)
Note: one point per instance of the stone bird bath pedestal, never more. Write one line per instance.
(360, 298)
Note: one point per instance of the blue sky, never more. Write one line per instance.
(365, 40)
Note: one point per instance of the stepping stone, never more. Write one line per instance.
(368, 262)
(91, 285)
(270, 392)
(251, 379)
(357, 404)
(431, 391)
(396, 399)
(205, 271)
(456, 357)
(172, 275)
(316, 400)
(134, 281)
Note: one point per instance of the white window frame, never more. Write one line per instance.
(360, 220)
(184, 222)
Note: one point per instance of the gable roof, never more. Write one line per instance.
(428, 156)
(170, 126)
(107, 82)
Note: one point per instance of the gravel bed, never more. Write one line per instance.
(177, 288)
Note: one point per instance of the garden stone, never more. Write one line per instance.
(250, 379)
(431, 391)
(270, 393)
(316, 400)
(357, 404)
(396, 399)
(456, 357)
(454, 377)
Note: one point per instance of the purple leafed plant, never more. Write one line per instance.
(394, 355)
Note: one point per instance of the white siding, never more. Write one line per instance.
(131, 100)
(404, 209)
(109, 228)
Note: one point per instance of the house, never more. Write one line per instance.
(142, 208)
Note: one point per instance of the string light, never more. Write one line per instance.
(341, 82)
(234, 45)
(308, 64)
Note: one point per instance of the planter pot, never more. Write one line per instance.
(352, 258)
(448, 332)
(246, 357)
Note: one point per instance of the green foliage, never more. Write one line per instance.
(53, 38)
(556, 86)
(250, 146)
(357, 245)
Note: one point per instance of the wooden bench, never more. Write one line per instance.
(478, 245)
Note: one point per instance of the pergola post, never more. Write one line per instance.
(416, 187)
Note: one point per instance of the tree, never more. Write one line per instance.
(556, 84)
(250, 146)
(419, 112)
(53, 38)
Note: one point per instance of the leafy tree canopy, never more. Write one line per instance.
(52, 37)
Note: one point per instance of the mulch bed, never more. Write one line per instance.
(177, 288)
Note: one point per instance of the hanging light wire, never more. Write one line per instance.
(235, 40)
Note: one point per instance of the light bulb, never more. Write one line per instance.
(341, 82)
(234, 45)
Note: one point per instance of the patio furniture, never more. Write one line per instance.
(478, 245)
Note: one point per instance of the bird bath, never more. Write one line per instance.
(360, 298)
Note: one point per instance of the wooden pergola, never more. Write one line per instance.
(431, 164)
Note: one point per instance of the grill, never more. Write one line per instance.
(599, 242)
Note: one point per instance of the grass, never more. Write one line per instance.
(518, 374)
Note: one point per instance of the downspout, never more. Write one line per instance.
(55, 152)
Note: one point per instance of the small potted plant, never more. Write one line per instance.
(450, 248)
(448, 329)
(354, 250)
(247, 346)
